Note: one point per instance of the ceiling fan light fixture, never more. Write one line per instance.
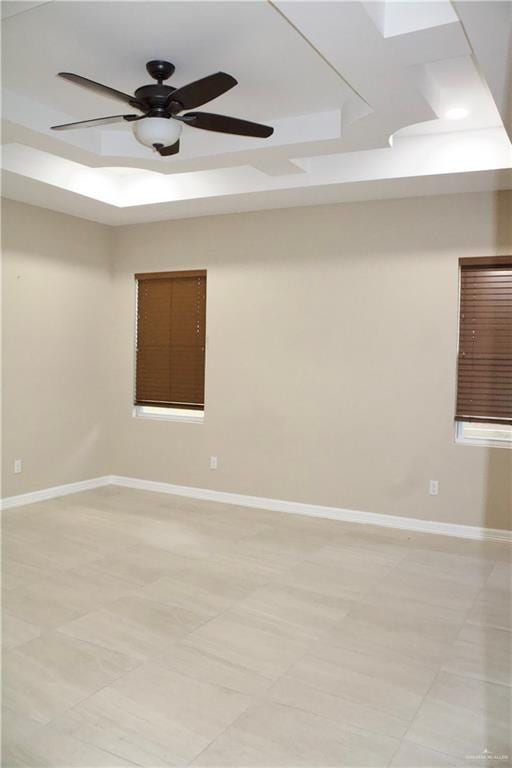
(157, 130)
(160, 126)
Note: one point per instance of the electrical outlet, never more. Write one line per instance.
(17, 466)
(433, 487)
(213, 462)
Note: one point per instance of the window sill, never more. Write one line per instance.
(483, 435)
(168, 414)
(484, 443)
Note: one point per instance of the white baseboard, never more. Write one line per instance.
(54, 492)
(315, 510)
(274, 505)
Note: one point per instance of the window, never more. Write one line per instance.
(170, 344)
(478, 433)
(484, 368)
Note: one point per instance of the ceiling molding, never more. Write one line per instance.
(360, 95)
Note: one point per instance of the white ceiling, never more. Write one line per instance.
(357, 93)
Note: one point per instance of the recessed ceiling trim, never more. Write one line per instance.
(316, 50)
(411, 156)
(10, 8)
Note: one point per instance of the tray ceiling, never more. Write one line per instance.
(361, 95)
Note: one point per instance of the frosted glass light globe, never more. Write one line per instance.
(157, 130)
(456, 113)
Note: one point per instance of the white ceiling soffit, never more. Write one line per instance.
(488, 25)
(10, 8)
(362, 97)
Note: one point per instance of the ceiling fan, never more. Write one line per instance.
(160, 124)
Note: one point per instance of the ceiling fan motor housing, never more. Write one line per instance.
(160, 70)
(155, 99)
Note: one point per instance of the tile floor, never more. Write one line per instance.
(150, 630)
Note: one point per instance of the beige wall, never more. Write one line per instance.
(56, 290)
(330, 355)
(331, 347)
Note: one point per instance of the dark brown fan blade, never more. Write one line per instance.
(173, 149)
(104, 90)
(224, 124)
(201, 91)
(97, 121)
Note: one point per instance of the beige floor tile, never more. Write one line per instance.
(128, 501)
(167, 507)
(47, 747)
(462, 717)
(231, 514)
(249, 551)
(292, 541)
(249, 640)
(459, 568)
(296, 612)
(318, 700)
(355, 689)
(104, 538)
(46, 676)
(142, 564)
(492, 608)
(347, 581)
(350, 555)
(16, 631)
(501, 577)
(230, 528)
(411, 755)
(202, 665)
(19, 519)
(426, 587)
(16, 728)
(322, 530)
(484, 653)
(200, 592)
(398, 630)
(233, 636)
(24, 551)
(154, 716)
(29, 525)
(57, 599)
(483, 550)
(134, 626)
(272, 736)
(99, 531)
(399, 684)
(91, 513)
(53, 548)
(16, 574)
(392, 544)
(182, 522)
(170, 502)
(184, 538)
(204, 515)
(244, 567)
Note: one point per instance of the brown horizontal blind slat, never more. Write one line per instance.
(167, 275)
(487, 262)
(171, 332)
(484, 371)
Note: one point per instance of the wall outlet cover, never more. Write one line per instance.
(433, 487)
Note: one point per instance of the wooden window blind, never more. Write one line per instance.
(484, 370)
(170, 349)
